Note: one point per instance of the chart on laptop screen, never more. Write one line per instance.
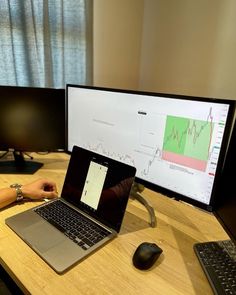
(173, 143)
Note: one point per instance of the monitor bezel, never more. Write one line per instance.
(32, 148)
(18, 163)
(225, 194)
(167, 192)
(224, 225)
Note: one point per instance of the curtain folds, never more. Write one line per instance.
(45, 43)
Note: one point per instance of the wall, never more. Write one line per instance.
(188, 47)
(183, 46)
(224, 69)
(117, 42)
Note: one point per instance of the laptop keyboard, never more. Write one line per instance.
(218, 260)
(76, 226)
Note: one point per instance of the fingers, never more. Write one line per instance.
(50, 187)
(49, 195)
(50, 190)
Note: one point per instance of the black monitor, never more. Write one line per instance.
(225, 209)
(31, 120)
(177, 143)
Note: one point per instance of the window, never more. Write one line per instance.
(45, 43)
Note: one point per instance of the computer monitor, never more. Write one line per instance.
(31, 120)
(225, 208)
(177, 143)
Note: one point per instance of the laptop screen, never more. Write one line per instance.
(99, 186)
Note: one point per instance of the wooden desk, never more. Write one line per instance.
(110, 270)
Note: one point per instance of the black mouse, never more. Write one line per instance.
(146, 255)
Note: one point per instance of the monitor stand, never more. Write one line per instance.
(18, 165)
(135, 193)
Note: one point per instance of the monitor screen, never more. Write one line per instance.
(176, 143)
(225, 210)
(31, 119)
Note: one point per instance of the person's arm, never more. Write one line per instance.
(39, 189)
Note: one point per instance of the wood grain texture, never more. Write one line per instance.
(109, 270)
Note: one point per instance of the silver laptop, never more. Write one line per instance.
(88, 214)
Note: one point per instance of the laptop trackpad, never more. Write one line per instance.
(42, 236)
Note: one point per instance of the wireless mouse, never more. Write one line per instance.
(146, 255)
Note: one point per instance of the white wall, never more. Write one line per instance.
(172, 46)
(188, 47)
(223, 83)
(117, 42)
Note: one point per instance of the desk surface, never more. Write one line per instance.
(110, 269)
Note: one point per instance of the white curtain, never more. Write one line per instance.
(45, 43)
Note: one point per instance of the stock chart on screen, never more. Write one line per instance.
(174, 143)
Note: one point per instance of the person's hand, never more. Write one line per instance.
(39, 189)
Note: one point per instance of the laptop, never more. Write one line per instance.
(88, 214)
